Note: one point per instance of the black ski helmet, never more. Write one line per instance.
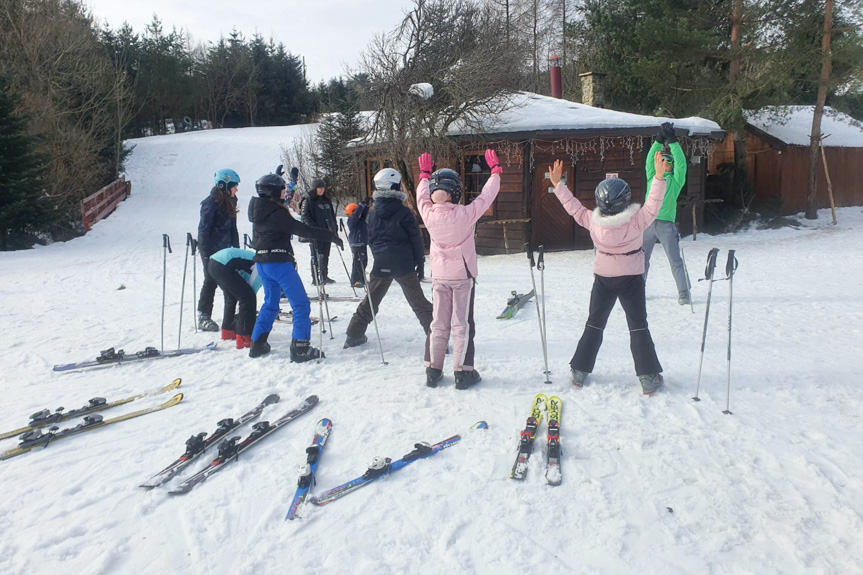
(270, 186)
(448, 181)
(612, 196)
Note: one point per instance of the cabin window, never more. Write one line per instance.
(476, 173)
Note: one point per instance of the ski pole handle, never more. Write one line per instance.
(730, 264)
(246, 241)
(189, 240)
(529, 254)
(194, 247)
(342, 225)
(711, 264)
(166, 243)
(540, 260)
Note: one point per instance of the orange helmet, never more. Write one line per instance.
(350, 208)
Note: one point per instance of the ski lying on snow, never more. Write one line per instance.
(307, 471)
(525, 446)
(336, 298)
(46, 417)
(230, 450)
(198, 444)
(37, 438)
(515, 303)
(382, 466)
(552, 453)
(111, 357)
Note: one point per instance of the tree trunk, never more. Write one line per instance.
(815, 137)
(740, 187)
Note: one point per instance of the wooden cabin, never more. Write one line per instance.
(777, 158)
(595, 143)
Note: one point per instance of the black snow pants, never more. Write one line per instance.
(236, 290)
(605, 293)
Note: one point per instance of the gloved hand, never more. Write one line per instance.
(659, 137)
(367, 201)
(491, 160)
(295, 175)
(668, 132)
(338, 241)
(426, 164)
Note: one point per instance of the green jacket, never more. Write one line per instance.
(675, 179)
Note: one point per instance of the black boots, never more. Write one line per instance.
(301, 351)
(354, 341)
(465, 379)
(433, 376)
(260, 346)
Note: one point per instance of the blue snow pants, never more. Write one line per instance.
(276, 278)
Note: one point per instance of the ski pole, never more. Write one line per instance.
(247, 242)
(529, 251)
(347, 273)
(348, 238)
(194, 282)
(183, 286)
(686, 272)
(730, 268)
(321, 328)
(324, 292)
(374, 315)
(708, 276)
(540, 265)
(166, 249)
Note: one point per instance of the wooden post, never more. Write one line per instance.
(829, 184)
(694, 221)
(506, 240)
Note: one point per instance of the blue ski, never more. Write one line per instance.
(307, 472)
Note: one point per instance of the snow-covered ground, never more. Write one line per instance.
(650, 485)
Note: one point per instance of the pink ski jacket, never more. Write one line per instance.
(453, 251)
(617, 238)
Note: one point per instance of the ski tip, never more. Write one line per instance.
(479, 425)
(312, 399)
(271, 399)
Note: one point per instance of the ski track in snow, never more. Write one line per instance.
(774, 488)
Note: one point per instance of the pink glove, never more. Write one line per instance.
(491, 160)
(426, 164)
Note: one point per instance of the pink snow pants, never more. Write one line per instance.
(453, 313)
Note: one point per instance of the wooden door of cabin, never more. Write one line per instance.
(551, 226)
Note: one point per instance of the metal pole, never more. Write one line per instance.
(347, 273)
(194, 283)
(348, 238)
(529, 251)
(374, 316)
(540, 265)
(708, 276)
(730, 268)
(321, 328)
(686, 271)
(321, 283)
(166, 249)
(183, 286)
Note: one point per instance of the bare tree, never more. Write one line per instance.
(815, 136)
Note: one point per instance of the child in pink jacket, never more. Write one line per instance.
(616, 228)
(453, 265)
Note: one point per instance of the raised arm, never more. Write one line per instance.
(679, 166)
(648, 212)
(569, 202)
(424, 203)
(489, 191)
(649, 168)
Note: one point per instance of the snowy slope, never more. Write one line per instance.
(651, 485)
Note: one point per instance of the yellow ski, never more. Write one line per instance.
(45, 417)
(525, 446)
(37, 438)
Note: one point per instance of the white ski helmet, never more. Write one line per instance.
(388, 179)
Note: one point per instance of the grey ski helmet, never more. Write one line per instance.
(388, 179)
(448, 181)
(612, 196)
(270, 186)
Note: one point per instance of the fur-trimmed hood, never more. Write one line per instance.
(395, 194)
(617, 219)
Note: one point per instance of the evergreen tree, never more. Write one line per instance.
(23, 207)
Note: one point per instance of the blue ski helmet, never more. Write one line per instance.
(448, 181)
(226, 179)
(612, 196)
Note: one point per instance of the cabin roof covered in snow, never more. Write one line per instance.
(535, 113)
(792, 126)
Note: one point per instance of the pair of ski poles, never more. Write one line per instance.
(191, 245)
(368, 297)
(539, 263)
(730, 269)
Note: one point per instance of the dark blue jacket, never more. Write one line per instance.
(217, 230)
(394, 236)
(358, 227)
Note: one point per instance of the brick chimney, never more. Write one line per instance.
(591, 89)
(554, 73)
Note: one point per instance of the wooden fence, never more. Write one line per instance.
(98, 206)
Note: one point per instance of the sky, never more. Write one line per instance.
(329, 33)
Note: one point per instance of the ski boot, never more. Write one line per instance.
(578, 377)
(229, 334)
(205, 323)
(260, 346)
(244, 341)
(109, 355)
(650, 382)
(683, 298)
(354, 341)
(328, 281)
(433, 376)
(302, 351)
(465, 379)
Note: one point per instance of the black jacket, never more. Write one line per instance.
(318, 212)
(359, 227)
(216, 229)
(272, 226)
(394, 236)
